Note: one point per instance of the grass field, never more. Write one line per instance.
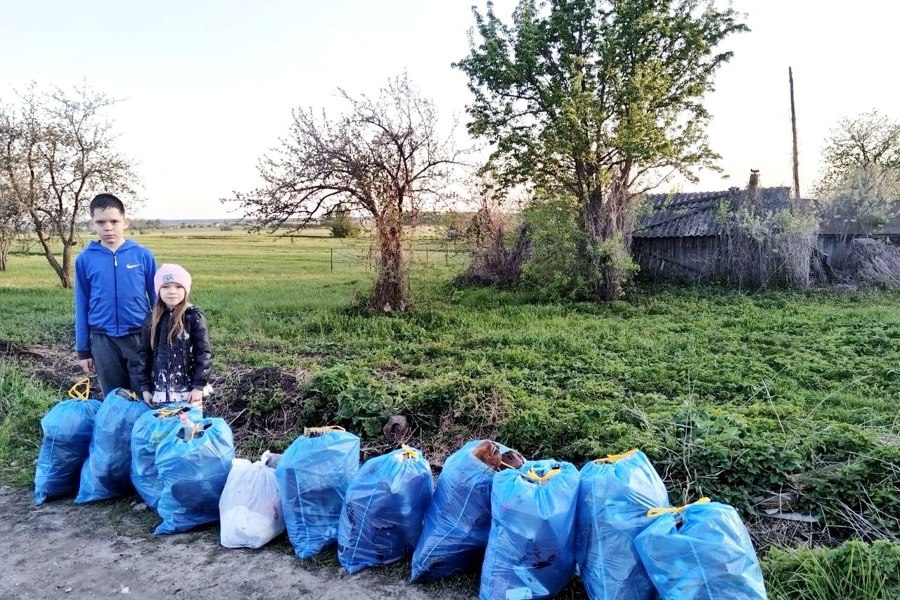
(732, 395)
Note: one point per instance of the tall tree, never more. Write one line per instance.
(383, 157)
(56, 151)
(860, 186)
(598, 99)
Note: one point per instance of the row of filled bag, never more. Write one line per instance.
(531, 524)
(176, 459)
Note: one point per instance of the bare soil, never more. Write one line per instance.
(106, 550)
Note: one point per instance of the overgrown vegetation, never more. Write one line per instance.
(734, 396)
(854, 571)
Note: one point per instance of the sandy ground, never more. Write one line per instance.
(105, 550)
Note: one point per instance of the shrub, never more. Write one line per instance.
(853, 571)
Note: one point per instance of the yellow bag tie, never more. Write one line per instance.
(407, 453)
(612, 458)
(81, 390)
(165, 413)
(308, 431)
(656, 512)
(195, 429)
(532, 474)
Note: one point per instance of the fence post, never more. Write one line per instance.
(446, 255)
(332, 258)
(426, 255)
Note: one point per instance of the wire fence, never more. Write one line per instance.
(420, 254)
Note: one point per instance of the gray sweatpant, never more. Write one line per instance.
(111, 358)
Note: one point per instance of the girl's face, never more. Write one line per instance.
(172, 294)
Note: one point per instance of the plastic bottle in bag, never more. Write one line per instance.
(149, 431)
(613, 499)
(193, 464)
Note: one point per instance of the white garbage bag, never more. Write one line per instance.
(250, 505)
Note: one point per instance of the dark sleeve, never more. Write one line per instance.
(201, 348)
(142, 369)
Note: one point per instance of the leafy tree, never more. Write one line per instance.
(600, 100)
(860, 187)
(56, 152)
(383, 157)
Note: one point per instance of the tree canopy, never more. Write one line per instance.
(861, 181)
(56, 151)
(383, 157)
(599, 99)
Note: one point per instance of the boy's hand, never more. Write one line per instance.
(148, 398)
(196, 398)
(87, 365)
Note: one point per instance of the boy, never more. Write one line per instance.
(113, 294)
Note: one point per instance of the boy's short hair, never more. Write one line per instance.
(104, 201)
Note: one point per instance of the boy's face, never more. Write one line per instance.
(110, 224)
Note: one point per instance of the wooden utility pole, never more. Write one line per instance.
(794, 129)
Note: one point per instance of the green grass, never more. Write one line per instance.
(22, 404)
(854, 571)
(730, 394)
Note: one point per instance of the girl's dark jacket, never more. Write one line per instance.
(177, 367)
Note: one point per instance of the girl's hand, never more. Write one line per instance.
(196, 398)
(148, 399)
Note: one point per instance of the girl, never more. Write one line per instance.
(174, 354)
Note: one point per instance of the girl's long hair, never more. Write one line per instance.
(176, 323)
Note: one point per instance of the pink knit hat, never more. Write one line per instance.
(172, 274)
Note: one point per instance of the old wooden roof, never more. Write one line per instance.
(699, 214)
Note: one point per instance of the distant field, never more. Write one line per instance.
(732, 395)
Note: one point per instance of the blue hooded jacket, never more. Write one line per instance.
(113, 291)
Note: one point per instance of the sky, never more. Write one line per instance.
(207, 87)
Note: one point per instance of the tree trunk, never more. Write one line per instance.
(66, 267)
(4, 254)
(391, 291)
(608, 221)
(62, 270)
(592, 214)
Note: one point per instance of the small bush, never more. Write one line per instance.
(555, 266)
(342, 225)
(350, 397)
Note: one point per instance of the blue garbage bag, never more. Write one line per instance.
(67, 430)
(701, 552)
(458, 518)
(382, 515)
(613, 499)
(313, 475)
(107, 471)
(193, 464)
(531, 548)
(149, 430)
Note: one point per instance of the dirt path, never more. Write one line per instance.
(105, 550)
